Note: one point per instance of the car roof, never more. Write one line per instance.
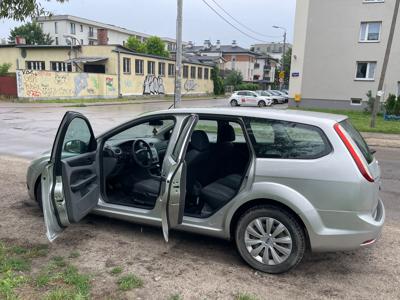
(300, 116)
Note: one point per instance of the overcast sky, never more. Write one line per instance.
(158, 17)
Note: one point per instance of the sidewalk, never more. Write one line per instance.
(382, 140)
(44, 104)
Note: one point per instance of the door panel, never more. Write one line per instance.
(70, 183)
(174, 185)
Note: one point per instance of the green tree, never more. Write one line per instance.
(286, 62)
(19, 10)
(234, 78)
(156, 46)
(4, 68)
(32, 33)
(218, 82)
(390, 104)
(135, 45)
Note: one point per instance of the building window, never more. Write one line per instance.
(256, 66)
(206, 71)
(185, 71)
(370, 31)
(35, 65)
(91, 43)
(60, 66)
(192, 72)
(199, 72)
(355, 101)
(151, 66)
(56, 40)
(55, 27)
(72, 28)
(171, 70)
(366, 70)
(126, 65)
(91, 32)
(41, 25)
(81, 28)
(161, 69)
(139, 66)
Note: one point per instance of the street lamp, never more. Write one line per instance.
(284, 45)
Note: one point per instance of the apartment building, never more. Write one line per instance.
(89, 32)
(275, 50)
(338, 52)
(233, 56)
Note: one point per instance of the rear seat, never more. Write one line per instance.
(217, 194)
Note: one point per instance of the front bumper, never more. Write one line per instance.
(355, 230)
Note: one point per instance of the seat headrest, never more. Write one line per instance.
(199, 140)
(226, 133)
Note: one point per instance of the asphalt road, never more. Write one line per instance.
(198, 267)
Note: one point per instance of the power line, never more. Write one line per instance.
(240, 23)
(234, 26)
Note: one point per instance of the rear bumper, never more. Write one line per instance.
(357, 230)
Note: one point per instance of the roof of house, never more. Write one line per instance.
(98, 24)
(221, 48)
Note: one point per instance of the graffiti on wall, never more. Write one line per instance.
(81, 83)
(110, 84)
(190, 85)
(153, 85)
(46, 84)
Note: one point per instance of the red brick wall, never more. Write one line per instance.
(8, 86)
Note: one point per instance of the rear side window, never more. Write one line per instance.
(358, 139)
(287, 140)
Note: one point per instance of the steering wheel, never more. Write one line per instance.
(142, 154)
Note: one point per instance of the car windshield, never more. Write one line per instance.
(264, 93)
(358, 139)
(275, 93)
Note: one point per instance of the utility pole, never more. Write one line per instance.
(178, 59)
(284, 51)
(385, 64)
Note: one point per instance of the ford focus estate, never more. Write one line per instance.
(276, 182)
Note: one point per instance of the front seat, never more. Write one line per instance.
(147, 190)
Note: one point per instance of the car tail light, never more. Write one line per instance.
(351, 147)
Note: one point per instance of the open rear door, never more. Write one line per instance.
(173, 197)
(70, 181)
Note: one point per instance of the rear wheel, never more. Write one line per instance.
(270, 239)
(261, 103)
(234, 102)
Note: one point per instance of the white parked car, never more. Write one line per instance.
(250, 98)
(276, 98)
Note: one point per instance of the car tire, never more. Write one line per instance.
(275, 101)
(261, 103)
(38, 193)
(293, 231)
(234, 103)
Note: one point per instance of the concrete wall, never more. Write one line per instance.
(327, 48)
(51, 85)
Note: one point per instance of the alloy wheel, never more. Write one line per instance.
(268, 241)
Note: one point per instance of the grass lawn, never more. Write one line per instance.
(361, 120)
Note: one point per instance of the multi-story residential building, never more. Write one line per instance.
(275, 50)
(338, 52)
(264, 71)
(233, 56)
(88, 32)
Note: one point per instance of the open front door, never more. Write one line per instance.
(173, 197)
(70, 183)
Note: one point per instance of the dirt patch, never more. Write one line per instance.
(193, 266)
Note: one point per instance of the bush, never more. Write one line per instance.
(218, 82)
(234, 78)
(370, 103)
(247, 86)
(390, 104)
(4, 68)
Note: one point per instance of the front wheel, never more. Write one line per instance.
(234, 103)
(270, 239)
(261, 103)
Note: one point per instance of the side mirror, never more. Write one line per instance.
(75, 146)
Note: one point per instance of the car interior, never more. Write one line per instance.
(217, 159)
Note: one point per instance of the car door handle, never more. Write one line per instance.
(82, 183)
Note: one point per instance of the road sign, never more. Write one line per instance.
(281, 74)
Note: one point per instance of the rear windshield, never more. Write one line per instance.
(358, 139)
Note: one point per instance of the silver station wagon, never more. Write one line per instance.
(278, 182)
